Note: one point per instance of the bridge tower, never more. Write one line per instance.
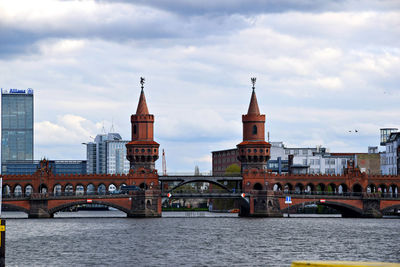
(254, 151)
(142, 151)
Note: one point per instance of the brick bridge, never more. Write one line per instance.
(354, 194)
(260, 192)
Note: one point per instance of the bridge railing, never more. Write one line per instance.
(201, 174)
(212, 191)
(343, 194)
(208, 191)
(61, 194)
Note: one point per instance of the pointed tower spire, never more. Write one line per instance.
(142, 105)
(142, 151)
(253, 151)
(253, 107)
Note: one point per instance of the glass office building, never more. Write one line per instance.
(16, 125)
(29, 167)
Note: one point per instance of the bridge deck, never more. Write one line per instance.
(185, 178)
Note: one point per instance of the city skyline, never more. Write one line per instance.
(323, 70)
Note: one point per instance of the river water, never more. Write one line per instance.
(89, 238)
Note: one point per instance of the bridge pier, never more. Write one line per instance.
(371, 208)
(145, 204)
(38, 209)
(259, 204)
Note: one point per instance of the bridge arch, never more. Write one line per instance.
(257, 186)
(81, 202)
(17, 190)
(6, 190)
(277, 187)
(320, 188)
(371, 188)
(69, 189)
(200, 180)
(15, 207)
(299, 188)
(342, 188)
(288, 187)
(310, 188)
(43, 188)
(345, 209)
(331, 188)
(393, 190)
(90, 189)
(357, 188)
(396, 206)
(28, 190)
(79, 189)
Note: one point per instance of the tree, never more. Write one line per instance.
(233, 168)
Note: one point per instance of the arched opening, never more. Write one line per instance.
(134, 129)
(371, 188)
(28, 190)
(298, 189)
(119, 188)
(254, 129)
(310, 188)
(57, 190)
(80, 190)
(331, 189)
(277, 187)
(288, 188)
(69, 190)
(257, 186)
(357, 189)
(112, 189)
(342, 189)
(6, 190)
(90, 189)
(382, 190)
(101, 190)
(43, 189)
(393, 191)
(17, 191)
(148, 204)
(143, 186)
(320, 189)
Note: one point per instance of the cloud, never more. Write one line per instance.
(68, 129)
(322, 68)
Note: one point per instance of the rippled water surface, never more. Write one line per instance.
(196, 240)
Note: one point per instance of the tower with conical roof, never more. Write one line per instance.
(142, 151)
(254, 151)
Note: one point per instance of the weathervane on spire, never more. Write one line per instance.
(253, 81)
(142, 82)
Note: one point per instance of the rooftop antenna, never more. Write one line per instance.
(253, 81)
(112, 126)
(103, 129)
(164, 164)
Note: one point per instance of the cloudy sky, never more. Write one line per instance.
(323, 68)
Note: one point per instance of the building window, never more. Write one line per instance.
(134, 129)
(254, 129)
(304, 161)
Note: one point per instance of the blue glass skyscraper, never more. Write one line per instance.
(16, 125)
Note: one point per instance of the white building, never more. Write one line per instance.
(390, 157)
(107, 154)
(314, 160)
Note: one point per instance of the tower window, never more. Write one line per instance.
(254, 129)
(134, 129)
